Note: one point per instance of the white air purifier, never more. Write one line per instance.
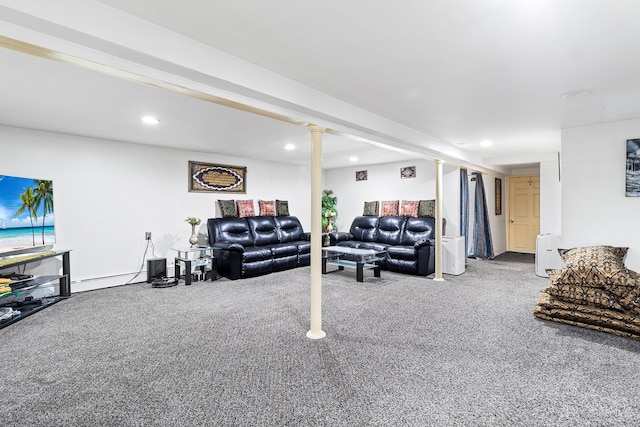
(453, 258)
(547, 255)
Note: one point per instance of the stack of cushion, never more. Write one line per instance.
(593, 290)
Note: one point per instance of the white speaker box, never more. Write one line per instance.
(453, 257)
(547, 255)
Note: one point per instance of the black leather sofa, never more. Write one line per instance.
(409, 241)
(257, 245)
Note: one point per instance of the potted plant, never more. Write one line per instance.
(329, 212)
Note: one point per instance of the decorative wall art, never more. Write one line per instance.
(633, 168)
(211, 177)
(361, 175)
(498, 194)
(408, 172)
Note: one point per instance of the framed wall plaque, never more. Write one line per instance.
(213, 177)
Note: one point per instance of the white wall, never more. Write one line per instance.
(550, 198)
(107, 194)
(595, 210)
(384, 183)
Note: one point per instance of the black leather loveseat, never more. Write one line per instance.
(409, 241)
(257, 245)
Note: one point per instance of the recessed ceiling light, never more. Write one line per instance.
(290, 147)
(353, 159)
(575, 94)
(150, 120)
(486, 143)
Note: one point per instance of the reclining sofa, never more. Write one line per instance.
(257, 245)
(409, 242)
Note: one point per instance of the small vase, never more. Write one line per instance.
(194, 238)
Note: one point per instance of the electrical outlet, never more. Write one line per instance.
(147, 235)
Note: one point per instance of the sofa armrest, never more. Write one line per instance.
(233, 247)
(339, 236)
(306, 236)
(424, 242)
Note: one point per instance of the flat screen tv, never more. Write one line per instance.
(26, 215)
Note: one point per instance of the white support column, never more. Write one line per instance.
(316, 331)
(438, 273)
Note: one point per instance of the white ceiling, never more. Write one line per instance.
(462, 71)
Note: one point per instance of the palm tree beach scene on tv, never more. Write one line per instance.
(26, 213)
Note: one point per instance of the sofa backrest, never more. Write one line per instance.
(417, 229)
(364, 228)
(230, 230)
(289, 228)
(263, 229)
(391, 229)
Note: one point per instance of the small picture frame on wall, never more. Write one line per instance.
(498, 193)
(632, 174)
(408, 172)
(361, 175)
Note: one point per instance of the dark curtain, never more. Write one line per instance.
(482, 245)
(464, 209)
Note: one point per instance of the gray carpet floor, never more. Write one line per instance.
(400, 351)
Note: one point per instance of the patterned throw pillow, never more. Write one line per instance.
(245, 208)
(409, 208)
(282, 208)
(427, 208)
(596, 267)
(370, 208)
(584, 295)
(389, 208)
(228, 208)
(267, 207)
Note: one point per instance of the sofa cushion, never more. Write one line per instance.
(418, 229)
(289, 228)
(284, 249)
(402, 252)
(390, 230)
(257, 253)
(229, 230)
(364, 228)
(263, 229)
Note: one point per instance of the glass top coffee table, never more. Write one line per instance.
(360, 259)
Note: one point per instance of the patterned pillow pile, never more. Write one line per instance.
(413, 208)
(595, 267)
(593, 290)
(243, 208)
